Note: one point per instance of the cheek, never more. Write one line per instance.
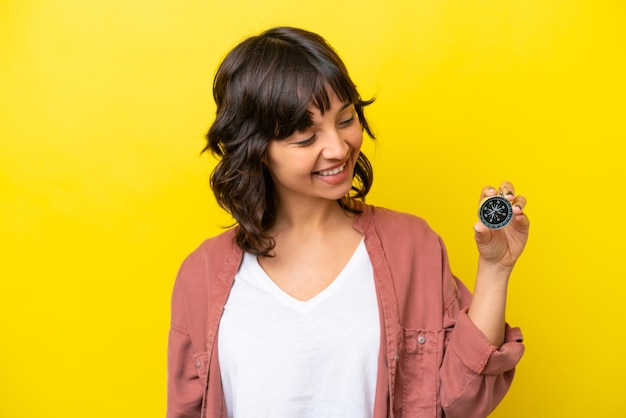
(356, 140)
(285, 165)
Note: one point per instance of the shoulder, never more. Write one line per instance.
(212, 265)
(214, 247)
(395, 225)
(393, 217)
(209, 257)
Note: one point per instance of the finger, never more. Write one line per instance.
(507, 189)
(486, 192)
(522, 220)
(482, 234)
(519, 216)
(520, 203)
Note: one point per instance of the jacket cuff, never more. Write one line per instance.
(478, 354)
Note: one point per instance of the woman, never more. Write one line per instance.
(316, 304)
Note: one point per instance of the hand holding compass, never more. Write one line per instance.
(502, 231)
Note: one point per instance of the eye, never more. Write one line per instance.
(306, 141)
(347, 122)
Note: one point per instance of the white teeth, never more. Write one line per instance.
(332, 172)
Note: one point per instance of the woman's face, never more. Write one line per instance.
(318, 162)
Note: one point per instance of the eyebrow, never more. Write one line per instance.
(345, 105)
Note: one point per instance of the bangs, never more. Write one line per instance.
(297, 80)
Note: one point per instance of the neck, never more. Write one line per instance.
(311, 218)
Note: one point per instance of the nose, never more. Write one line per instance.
(335, 147)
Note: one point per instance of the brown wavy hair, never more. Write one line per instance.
(262, 89)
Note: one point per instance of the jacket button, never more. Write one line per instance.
(421, 339)
(197, 364)
(396, 357)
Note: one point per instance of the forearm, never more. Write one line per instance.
(488, 306)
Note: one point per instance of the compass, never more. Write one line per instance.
(495, 212)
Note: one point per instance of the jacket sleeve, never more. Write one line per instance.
(475, 375)
(184, 389)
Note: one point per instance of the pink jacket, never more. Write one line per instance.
(433, 361)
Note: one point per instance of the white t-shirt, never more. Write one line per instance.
(284, 358)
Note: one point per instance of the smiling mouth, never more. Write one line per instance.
(331, 172)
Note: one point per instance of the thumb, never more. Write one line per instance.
(482, 234)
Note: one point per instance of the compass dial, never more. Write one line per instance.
(495, 212)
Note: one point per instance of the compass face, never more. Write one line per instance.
(495, 212)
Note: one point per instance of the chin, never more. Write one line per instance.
(344, 193)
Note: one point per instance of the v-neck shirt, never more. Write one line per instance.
(283, 357)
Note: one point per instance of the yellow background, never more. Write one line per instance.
(103, 109)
